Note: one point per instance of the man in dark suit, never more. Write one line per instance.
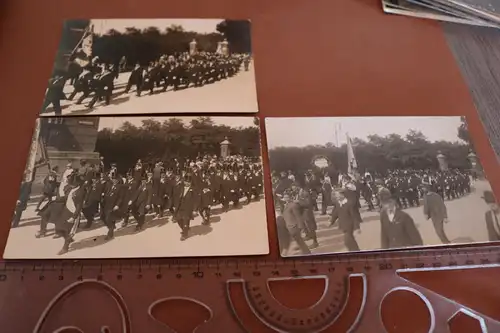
(294, 222)
(492, 217)
(435, 209)
(185, 207)
(49, 187)
(129, 189)
(55, 94)
(22, 203)
(397, 227)
(104, 88)
(112, 203)
(348, 221)
(92, 200)
(136, 78)
(141, 201)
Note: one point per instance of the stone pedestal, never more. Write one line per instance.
(443, 163)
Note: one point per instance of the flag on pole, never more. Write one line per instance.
(83, 51)
(352, 164)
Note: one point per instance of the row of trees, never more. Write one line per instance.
(155, 140)
(376, 154)
(144, 46)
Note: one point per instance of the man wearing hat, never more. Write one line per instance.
(397, 227)
(111, 208)
(184, 207)
(294, 222)
(348, 222)
(141, 201)
(435, 209)
(492, 216)
(49, 187)
(92, 200)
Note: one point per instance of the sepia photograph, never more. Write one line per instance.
(113, 187)
(134, 66)
(344, 184)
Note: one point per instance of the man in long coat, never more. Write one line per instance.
(185, 206)
(140, 203)
(348, 221)
(435, 209)
(294, 222)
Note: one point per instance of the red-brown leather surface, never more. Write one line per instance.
(312, 58)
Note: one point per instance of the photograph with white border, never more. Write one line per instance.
(148, 66)
(345, 184)
(116, 187)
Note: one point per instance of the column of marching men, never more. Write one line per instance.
(96, 81)
(181, 190)
(296, 199)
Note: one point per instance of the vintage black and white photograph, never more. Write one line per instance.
(110, 187)
(147, 66)
(371, 183)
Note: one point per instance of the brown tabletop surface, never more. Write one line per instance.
(312, 58)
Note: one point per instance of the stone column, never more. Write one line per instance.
(192, 47)
(224, 148)
(443, 163)
(224, 47)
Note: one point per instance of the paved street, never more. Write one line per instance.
(235, 94)
(466, 224)
(238, 232)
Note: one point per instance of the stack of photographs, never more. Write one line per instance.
(111, 174)
(471, 12)
(377, 183)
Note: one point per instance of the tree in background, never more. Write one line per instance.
(144, 46)
(377, 154)
(237, 33)
(155, 140)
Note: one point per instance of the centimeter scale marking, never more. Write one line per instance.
(355, 287)
(255, 267)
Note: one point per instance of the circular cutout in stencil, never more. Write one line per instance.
(395, 315)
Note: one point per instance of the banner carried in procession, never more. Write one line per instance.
(352, 164)
(83, 52)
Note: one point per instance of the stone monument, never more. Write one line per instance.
(475, 165)
(192, 47)
(443, 163)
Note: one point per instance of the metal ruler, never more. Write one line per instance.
(382, 292)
